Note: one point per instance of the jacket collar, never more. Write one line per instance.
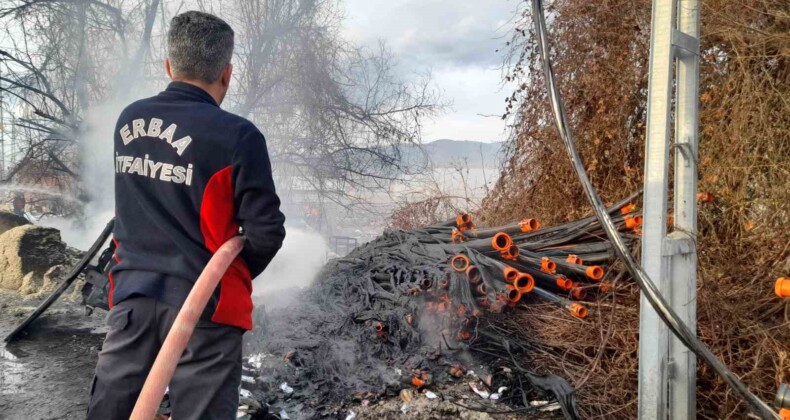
(190, 92)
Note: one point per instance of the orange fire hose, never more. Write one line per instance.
(178, 337)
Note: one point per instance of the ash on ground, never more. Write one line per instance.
(369, 329)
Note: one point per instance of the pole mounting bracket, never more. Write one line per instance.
(677, 243)
(685, 44)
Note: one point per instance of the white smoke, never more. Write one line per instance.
(303, 254)
(97, 177)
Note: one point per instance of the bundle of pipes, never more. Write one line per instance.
(563, 264)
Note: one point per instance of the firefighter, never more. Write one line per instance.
(188, 177)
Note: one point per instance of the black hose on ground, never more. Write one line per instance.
(653, 295)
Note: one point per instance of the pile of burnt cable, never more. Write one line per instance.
(423, 307)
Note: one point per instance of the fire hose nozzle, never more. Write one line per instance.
(548, 265)
(628, 208)
(501, 242)
(782, 287)
(577, 310)
(460, 262)
(525, 283)
(528, 225)
(510, 274)
(573, 259)
(594, 272)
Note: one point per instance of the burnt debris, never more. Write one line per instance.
(428, 306)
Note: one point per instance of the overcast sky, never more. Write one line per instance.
(457, 41)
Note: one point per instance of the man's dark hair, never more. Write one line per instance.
(199, 45)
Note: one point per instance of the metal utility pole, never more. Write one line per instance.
(667, 369)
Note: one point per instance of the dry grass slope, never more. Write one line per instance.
(601, 55)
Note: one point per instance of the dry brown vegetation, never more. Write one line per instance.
(601, 57)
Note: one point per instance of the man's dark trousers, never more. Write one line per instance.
(206, 381)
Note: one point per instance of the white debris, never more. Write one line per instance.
(285, 388)
(284, 415)
(494, 396)
(404, 408)
(248, 379)
(501, 389)
(545, 405)
(430, 395)
(479, 390)
(351, 415)
(256, 360)
(243, 393)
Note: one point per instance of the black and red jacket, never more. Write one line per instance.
(188, 175)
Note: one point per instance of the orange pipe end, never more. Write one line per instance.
(512, 294)
(460, 263)
(501, 241)
(482, 301)
(463, 219)
(633, 222)
(379, 327)
(578, 293)
(594, 272)
(528, 225)
(473, 274)
(628, 208)
(510, 274)
(457, 237)
(548, 265)
(464, 335)
(444, 284)
(481, 289)
(782, 287)
(573, 259)
(461, 310)
(417, 382)
(784, 413)
(604, 288)
(564, 283)
(426, 284)
(511, 253)
(525, 283)
(577, 310)
(705, 197)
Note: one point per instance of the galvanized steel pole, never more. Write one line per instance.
(667, 369)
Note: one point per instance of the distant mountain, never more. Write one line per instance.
(446, 153)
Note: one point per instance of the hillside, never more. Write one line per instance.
(446, 153)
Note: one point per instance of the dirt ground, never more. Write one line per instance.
(46, 373)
